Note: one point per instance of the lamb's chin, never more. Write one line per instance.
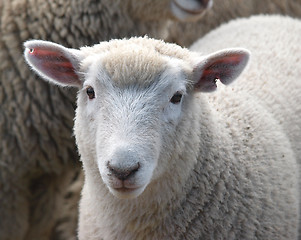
(126, 193)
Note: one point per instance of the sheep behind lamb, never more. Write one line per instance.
(224, 11)
(38, 159)
(165, 154)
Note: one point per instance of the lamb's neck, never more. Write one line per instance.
(202, 149)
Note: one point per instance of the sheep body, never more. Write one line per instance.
(281, 77)
(38, 155)
(224, 11)
(216, 165)
(283, 103)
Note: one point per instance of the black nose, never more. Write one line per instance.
(123, 173)
(204, 3)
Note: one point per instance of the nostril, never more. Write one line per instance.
(204, 3)
(123, 173)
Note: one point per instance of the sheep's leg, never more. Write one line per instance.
(14, 210)
(53, 212)
(66, 229)
(42, 208)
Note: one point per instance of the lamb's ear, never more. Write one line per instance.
(54, 62)
(225, 65)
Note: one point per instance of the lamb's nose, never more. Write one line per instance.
(123, 173)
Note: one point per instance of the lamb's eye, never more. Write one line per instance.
(90, 92)
(176, 98)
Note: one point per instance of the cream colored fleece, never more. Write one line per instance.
(38, 158)
(231, 168)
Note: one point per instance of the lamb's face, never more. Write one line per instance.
(130, 102)
(128, 111)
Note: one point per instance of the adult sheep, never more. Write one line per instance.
(38, 159)
(224, 11)
(163, 159)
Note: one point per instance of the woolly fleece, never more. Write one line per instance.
(228, 168)
(38, 157)
(233, 163)
(224, 11)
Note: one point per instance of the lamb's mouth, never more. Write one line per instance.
(188, 11)
(126, 192)
(125, 189)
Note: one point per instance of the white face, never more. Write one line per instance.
(126, 127)
(128, 124)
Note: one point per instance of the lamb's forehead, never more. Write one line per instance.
(134, 61)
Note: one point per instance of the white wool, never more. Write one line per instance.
(223, 11)
(38, 157)
(219, 165)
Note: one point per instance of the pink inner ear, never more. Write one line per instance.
(224, 68)
(54, 65)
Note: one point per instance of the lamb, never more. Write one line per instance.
(224, 11)
(38, 155)
(169, 151)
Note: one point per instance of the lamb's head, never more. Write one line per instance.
(131, 100)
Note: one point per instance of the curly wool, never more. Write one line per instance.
(223, 11)
(274, 74)
(226, 167)
(234, 162)
(38, 155)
